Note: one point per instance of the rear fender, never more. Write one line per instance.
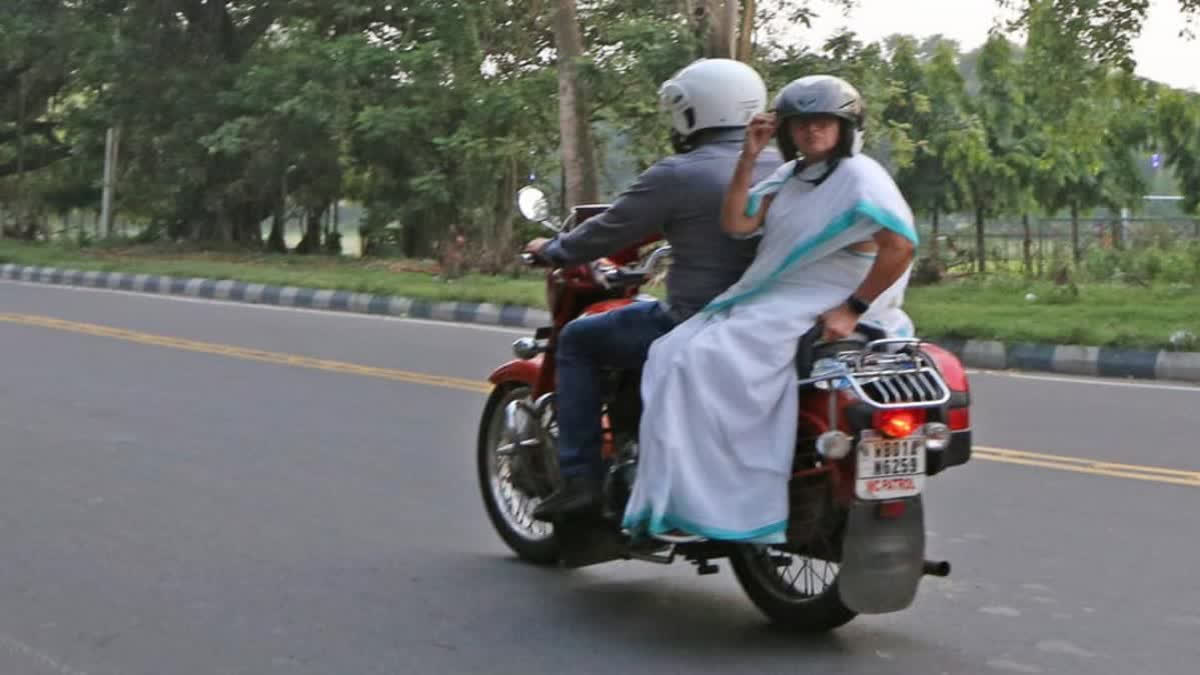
(949, 366)
(523, 371)
(957, 412)
(883, 559)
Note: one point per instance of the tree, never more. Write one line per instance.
(434, 113)
(988, 159)
(1104, 29)
(1178, 118)
(1067, 120)
(933, 105)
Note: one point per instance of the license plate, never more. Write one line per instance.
(890, 468)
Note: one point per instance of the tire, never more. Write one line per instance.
(803, 611)
(537, 543)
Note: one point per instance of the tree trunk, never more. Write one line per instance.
(1041, 246)
(745, 42)
(936, 231)
(499, 243)
(248, 225)
(578, 150)
(980, 244)
(722, 18)
(1076, 252)
(1027, 245)
(311, 242)
(275, 240)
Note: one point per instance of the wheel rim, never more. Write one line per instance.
(514, 505)
(791, 577)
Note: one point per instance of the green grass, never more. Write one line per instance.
(995, 309)
(1102, 314)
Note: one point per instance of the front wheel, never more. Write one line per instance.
(795, 591)
(505, 496)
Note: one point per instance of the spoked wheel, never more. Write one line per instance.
(796, 591)
(509, 482)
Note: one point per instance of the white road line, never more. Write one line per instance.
(1085, 380)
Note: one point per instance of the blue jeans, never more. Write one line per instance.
(617, 339)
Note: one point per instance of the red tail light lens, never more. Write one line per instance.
(959, 419)
(899, 423)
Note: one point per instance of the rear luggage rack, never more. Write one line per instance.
(885, 374)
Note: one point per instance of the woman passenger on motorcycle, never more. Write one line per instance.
(718, 432)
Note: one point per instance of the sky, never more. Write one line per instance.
(1161, 54)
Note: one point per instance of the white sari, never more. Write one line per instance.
(718, 429)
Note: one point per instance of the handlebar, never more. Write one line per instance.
(611, 276)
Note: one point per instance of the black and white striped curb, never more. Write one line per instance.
(984, 354)
(285, 296)
(1077, 360)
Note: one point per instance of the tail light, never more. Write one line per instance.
(959, 419)
(899, 423)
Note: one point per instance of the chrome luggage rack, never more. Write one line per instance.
(886, 374)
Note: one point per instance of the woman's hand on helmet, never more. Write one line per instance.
(759, 133)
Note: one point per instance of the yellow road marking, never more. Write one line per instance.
(1058, 462)
(248, 354)
(1088, 466)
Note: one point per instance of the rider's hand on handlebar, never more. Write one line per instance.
(535, 246)
(839, 322)
(759, 133)
(600, 270)
(535, 249)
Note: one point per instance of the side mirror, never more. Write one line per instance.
(532, 204)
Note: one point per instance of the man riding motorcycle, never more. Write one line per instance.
(710, 102)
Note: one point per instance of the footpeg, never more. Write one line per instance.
(705, 568)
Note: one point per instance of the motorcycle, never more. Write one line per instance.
(877, 417)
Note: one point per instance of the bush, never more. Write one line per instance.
(1173, 264)
(1102, 264)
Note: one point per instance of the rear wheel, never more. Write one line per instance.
(505, 485)
(795, 591)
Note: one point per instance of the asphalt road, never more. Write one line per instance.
(195, 487)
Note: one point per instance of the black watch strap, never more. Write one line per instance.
(857, 305)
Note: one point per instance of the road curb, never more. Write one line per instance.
(986, 354)
(284, 296)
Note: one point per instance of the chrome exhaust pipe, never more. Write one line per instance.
(936, 568)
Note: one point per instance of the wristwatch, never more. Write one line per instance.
(857, 305)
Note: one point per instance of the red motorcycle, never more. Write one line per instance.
(877, 417)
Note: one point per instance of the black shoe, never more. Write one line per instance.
(577, 494)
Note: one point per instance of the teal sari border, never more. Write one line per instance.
(645, 522)
(845, 221)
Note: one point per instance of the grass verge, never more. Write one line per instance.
(1110, 315)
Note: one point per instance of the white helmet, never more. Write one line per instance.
(712, 93)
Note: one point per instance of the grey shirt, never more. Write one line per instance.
(679, 197)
